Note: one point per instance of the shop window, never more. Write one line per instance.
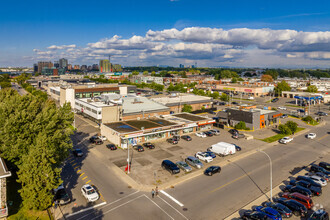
(188, 130)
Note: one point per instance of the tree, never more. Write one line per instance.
(272, 73)
(284, 129)
(266, 78)
(312, 88)
(247, 74)
(234, 80)
(293, 126)
(5, 81)
(282, 86)
(153, 73)
(145, 73)
(186, 108)
(224, 97)
(135, 73)
(241, 125)
(215, 95)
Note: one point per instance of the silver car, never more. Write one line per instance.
(184, 166)
(193, 161)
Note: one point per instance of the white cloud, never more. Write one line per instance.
(54, 47)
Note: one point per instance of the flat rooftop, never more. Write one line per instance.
(190, 117)
(95, 103)
(141, 104)
(181, 98)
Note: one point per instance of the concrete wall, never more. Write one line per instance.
(110, 114)
(110, 134)
(146, 115)
(62, 96)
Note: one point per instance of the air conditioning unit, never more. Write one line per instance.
(138, 118)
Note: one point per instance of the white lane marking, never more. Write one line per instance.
(159, 207)
(117, 207)
(171, 197)
(84, 210)
(111, 203)
(174, 208)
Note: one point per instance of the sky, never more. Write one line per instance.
(211, 33)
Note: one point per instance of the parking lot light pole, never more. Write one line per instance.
(128, 167)
(271, 174)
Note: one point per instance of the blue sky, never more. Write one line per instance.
(212, 33)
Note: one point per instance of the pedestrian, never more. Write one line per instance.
(153, 193)
(156, 190)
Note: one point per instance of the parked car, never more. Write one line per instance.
(204, 157)
(212, 170)
(320, 174)
(211, 154)
(299, 189)
(270, 212)
(96, 140)
(282, 209)
(111, 146)
(320, 214)
(234, 103)
(285, 140)
(321, 113)
(61, 196)
(318, 180)
(311, 136)
(208, 133)
(325, 165)
(238, 136)
(251, 98)
(233, 131)
(170, 166)
(172, 141)
(221, 103)
(89, 193)
(149, 145)
(193, 161)
(296, 207)
(186, 137)
(176, 137)
(238, 148)
(200, 134)
(275, 100)
(281, 108)
(305, 200)
(317, 191)
(139, 148)
(215, 132)
(284, 116)
(103, 138)
(78, 153)
(254, 215)
(184, 166)
(307, 179)
(212, 112)
(316, 168)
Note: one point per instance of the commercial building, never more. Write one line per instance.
(254, 118)
(325, 98)
(176, 101)
(4, 173)
(43, 64)
(105, 66)
(147, 79)
(252, 90)
(131, 132)
(63, 63)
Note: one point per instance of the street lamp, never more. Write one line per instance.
(271, 174)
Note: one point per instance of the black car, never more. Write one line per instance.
(254, 215)
(176, 137)
(234, 103)
(233, 131)
(307, 179)
(325, 165)
(221, 103)
(321, 114)
(111, 146)
(149, 145)
(62, 197)
(186, 137)
(319, 215)
(315, 168)
(212, 112)
(238, 136)
(212, 170)
(284, 116)
(172, 141)
(317, 191)
(96, 140)
(238, 148)
(275, 100)
(78, 153)
(139, 148)
(208, 133)
(296, 207)
(298, 189)
(170, 166)
(282, 209)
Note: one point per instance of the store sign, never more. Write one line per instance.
(210, 122)
(133, 135)
(202, 122)
(191, 125)
(277, 115)
(227, 88)
(177, 126)
(247, 90)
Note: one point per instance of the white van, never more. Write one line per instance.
(223, 148)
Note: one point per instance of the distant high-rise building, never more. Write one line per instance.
(83, 67)
(63, 63)
(105, 66)
(95, 67)
(89, 68)
(76, 67)
(56, 64)
(181, 66)
(35, 68)
(69, 67)
(43, 64)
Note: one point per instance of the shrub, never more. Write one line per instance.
(241, 125)
(292, 126)
(308, 119)
(284, 129)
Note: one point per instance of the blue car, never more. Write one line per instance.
(270, 212)
(211, 154)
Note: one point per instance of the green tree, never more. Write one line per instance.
(215, 95)
(186, 108)
(312, 88)
(282, 86)
(145, 73)
(153, 73)
(241, 125)
(135, 73)
(234, 80)
(224, 97)
(272, 73)
(293, 126)
(266, 78)
(284, 129)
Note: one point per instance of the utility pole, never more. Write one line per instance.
(271, 174)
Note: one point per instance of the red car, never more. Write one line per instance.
(305, 200)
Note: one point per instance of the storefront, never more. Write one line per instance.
(205, 125)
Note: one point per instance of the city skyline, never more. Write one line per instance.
(244, 34)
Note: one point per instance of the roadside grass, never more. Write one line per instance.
(244, 99)
(279, 136)
(314, 123)
(295, 106)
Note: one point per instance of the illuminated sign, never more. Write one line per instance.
(247, 90)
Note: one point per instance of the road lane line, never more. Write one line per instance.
(88, 181)
(174, 208)
(231, 182)
(81, 174)
(84, 210)
(159, 207)
(171, 197)
(102, 215)
(322, 137)
(84, 177)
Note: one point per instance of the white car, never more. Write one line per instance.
(201, 134)
(318, 180)
(282, 108)
(204, 157)
(103, 138)
(89, 193)
(311, 135)
(285, 140)
(251, 98)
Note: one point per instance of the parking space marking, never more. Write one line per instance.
(231, 182)
(84, 210)
(81, 174)
(322, 137)
(102, 198)
(173, 208)
(76, 167)
(84, 177)
(88, 181)
(74, 164)
(78, 171)
(172, 198)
